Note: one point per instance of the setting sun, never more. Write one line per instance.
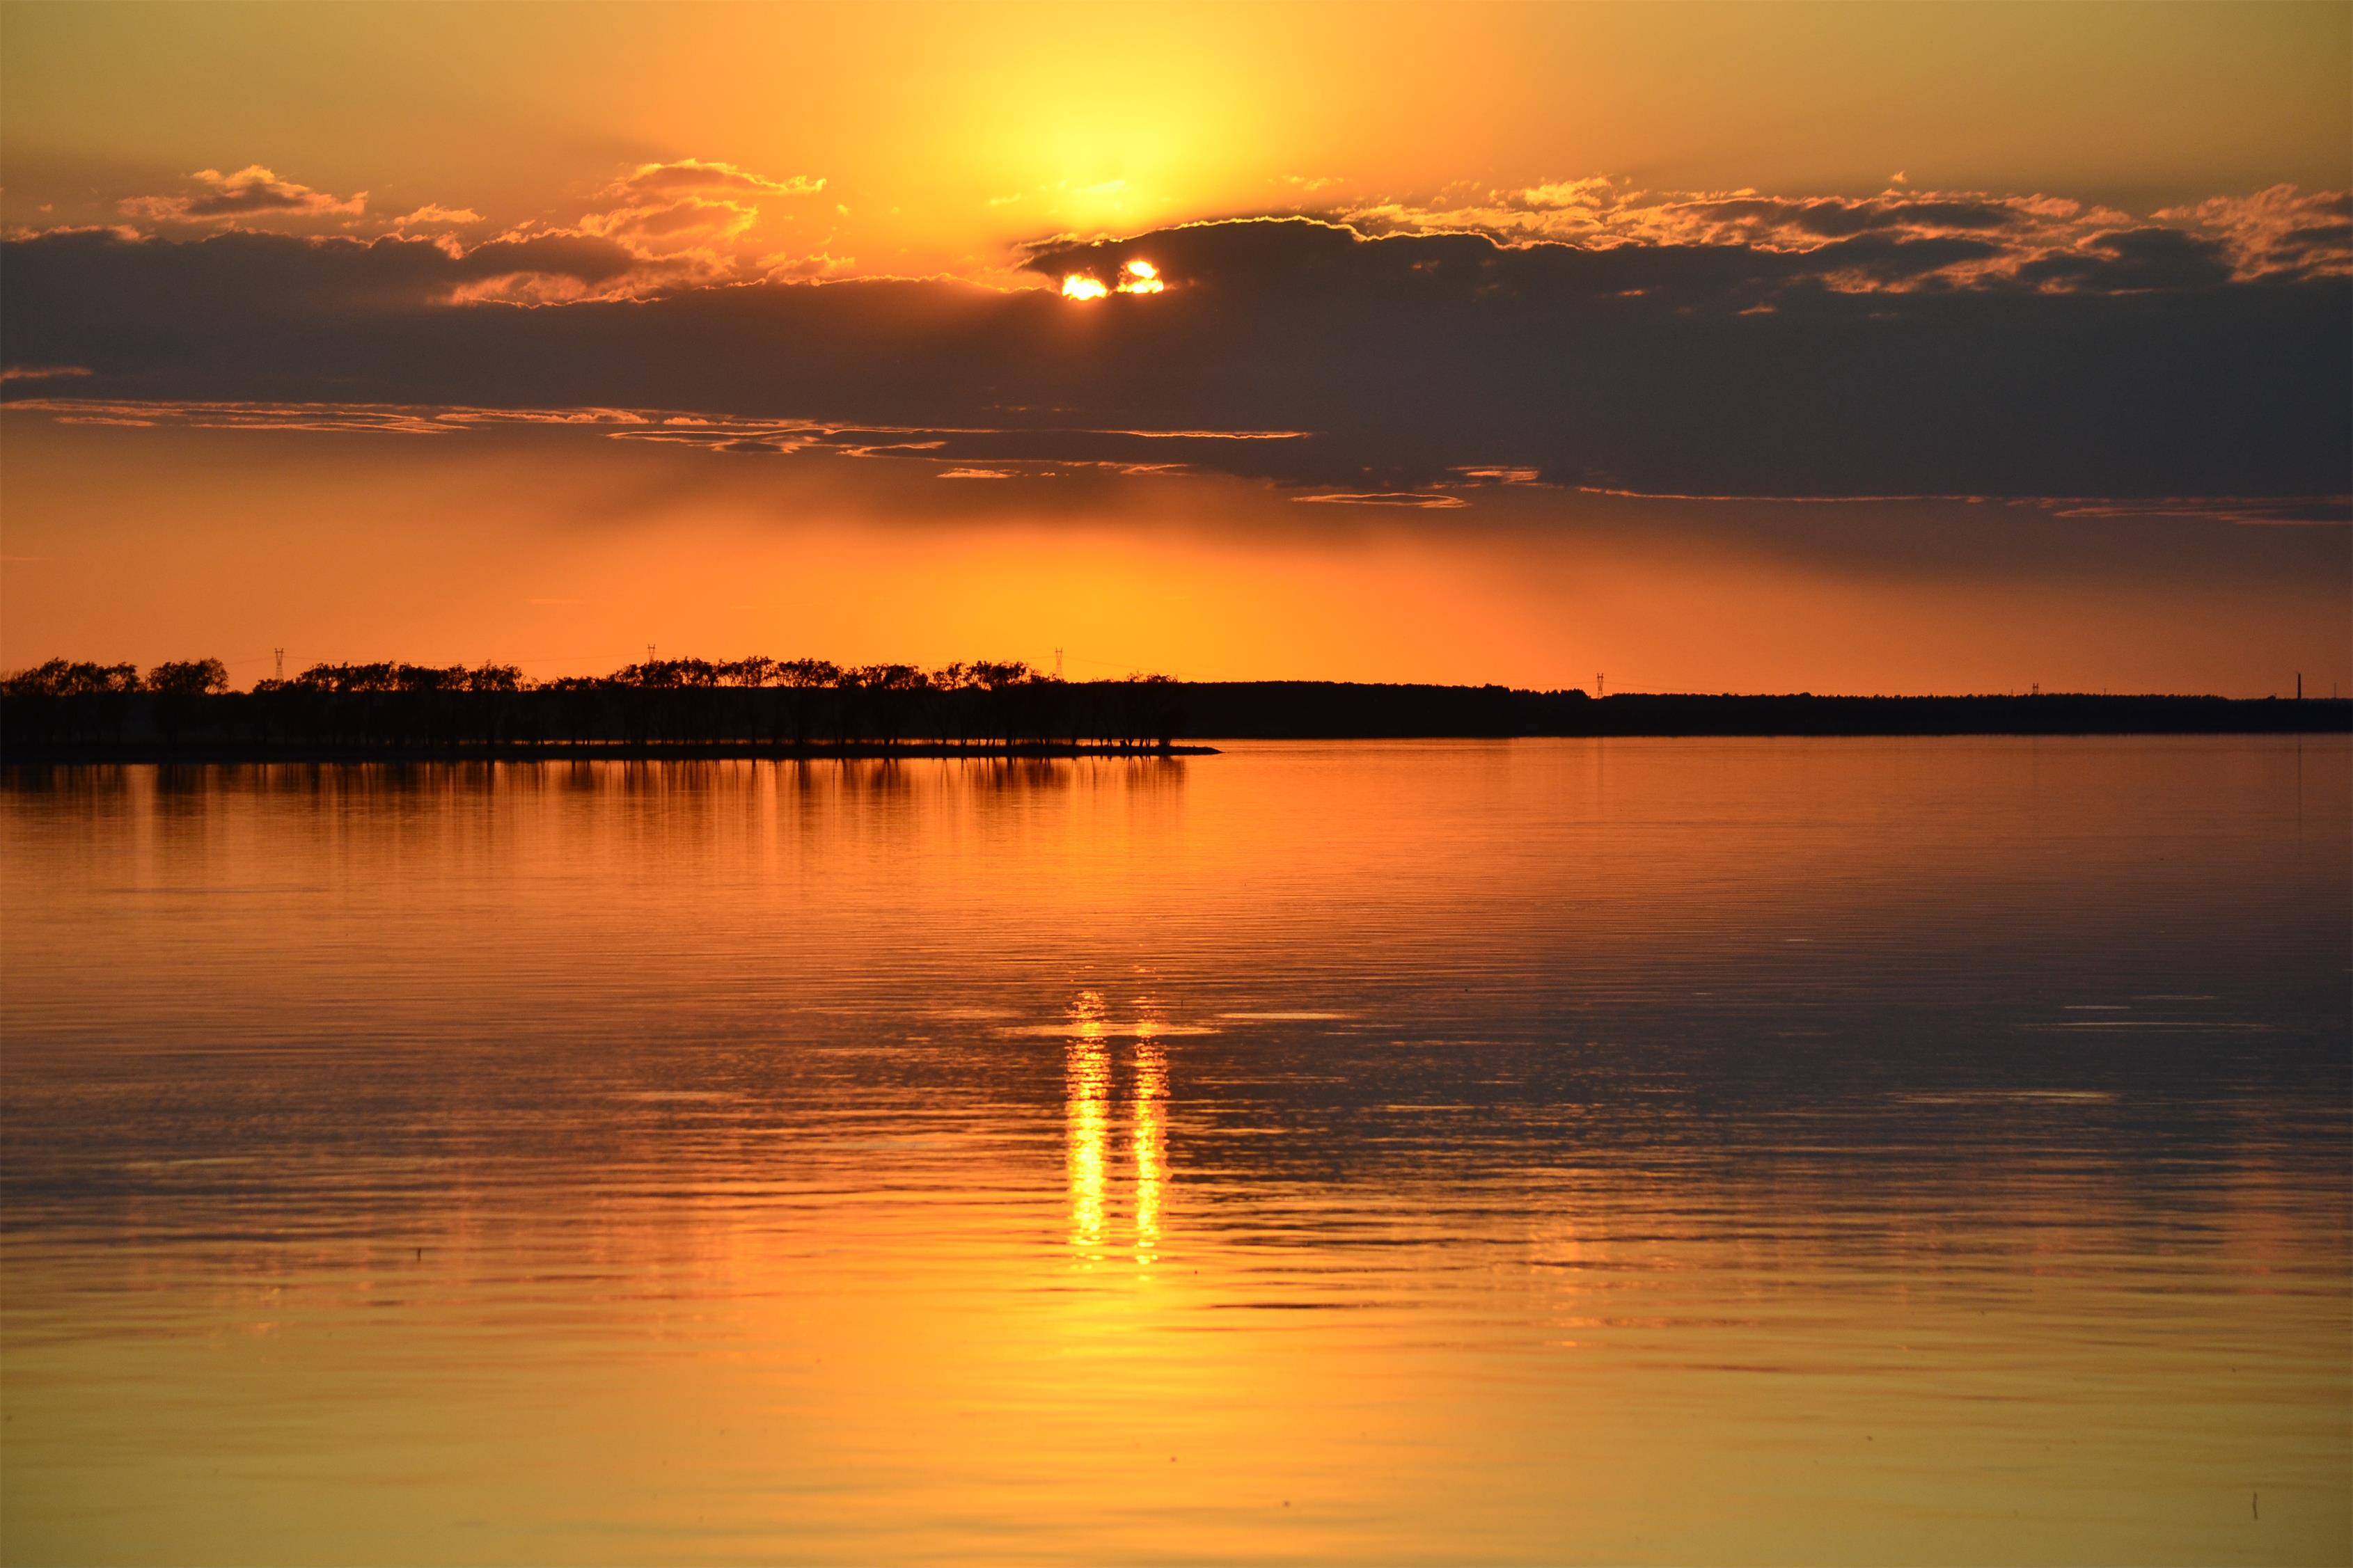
(1609, 824)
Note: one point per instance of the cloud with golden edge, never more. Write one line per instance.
(686, 175)
(688, 223)
(2045, 241)
(1937, 340)
(253, 191)
(433, 215)
(1420, 501)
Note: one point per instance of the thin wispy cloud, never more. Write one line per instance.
(697, 176)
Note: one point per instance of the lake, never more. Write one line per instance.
(1625, 1151)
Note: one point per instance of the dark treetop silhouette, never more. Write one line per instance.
(63, 711)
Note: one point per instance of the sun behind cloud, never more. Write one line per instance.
(1134, 278)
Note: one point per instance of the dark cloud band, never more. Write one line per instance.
(2140, 366)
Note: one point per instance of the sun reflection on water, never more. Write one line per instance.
(1088, 1094)
(1087, 1068)
(1150, 1144)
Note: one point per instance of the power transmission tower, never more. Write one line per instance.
(1057, 664)
(279, 654)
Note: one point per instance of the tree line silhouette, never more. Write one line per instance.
(185, 677)
(209, 677)
(758, 706)
(672, 704)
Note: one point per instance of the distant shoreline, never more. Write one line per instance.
(1049, 720)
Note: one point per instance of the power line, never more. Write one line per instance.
(1126, 664)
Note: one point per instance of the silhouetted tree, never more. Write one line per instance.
(992, 676)
(188, 677)
(487, 677)
(59, 677)
(887, 677)
(808, 672)
(755, 670)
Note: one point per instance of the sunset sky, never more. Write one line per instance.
(1759, 348)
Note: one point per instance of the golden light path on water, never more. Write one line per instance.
(1090, 1095)
(1625, 1152)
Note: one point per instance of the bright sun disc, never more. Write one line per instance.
(1142, 278)
(1079, 286)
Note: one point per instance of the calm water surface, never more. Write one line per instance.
(1672, 1151)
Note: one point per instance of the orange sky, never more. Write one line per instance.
(570, 556)
(845, 142)
(950, 130)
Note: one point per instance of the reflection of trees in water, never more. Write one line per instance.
(1089, 1091)
(809, 779)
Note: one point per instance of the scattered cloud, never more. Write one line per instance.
(966, 452)
(432, 215)
(684, 176)
(2277, 233)
(689, 219)
(1422, 501)
(1016, 453)
(1938, 238)
(681, 223)
(812, 268)
(253, 191)
(2272, 510)
(688, 223)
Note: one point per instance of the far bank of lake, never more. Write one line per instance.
(1041, 718)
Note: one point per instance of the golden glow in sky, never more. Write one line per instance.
(654, 151)
(943, 133)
